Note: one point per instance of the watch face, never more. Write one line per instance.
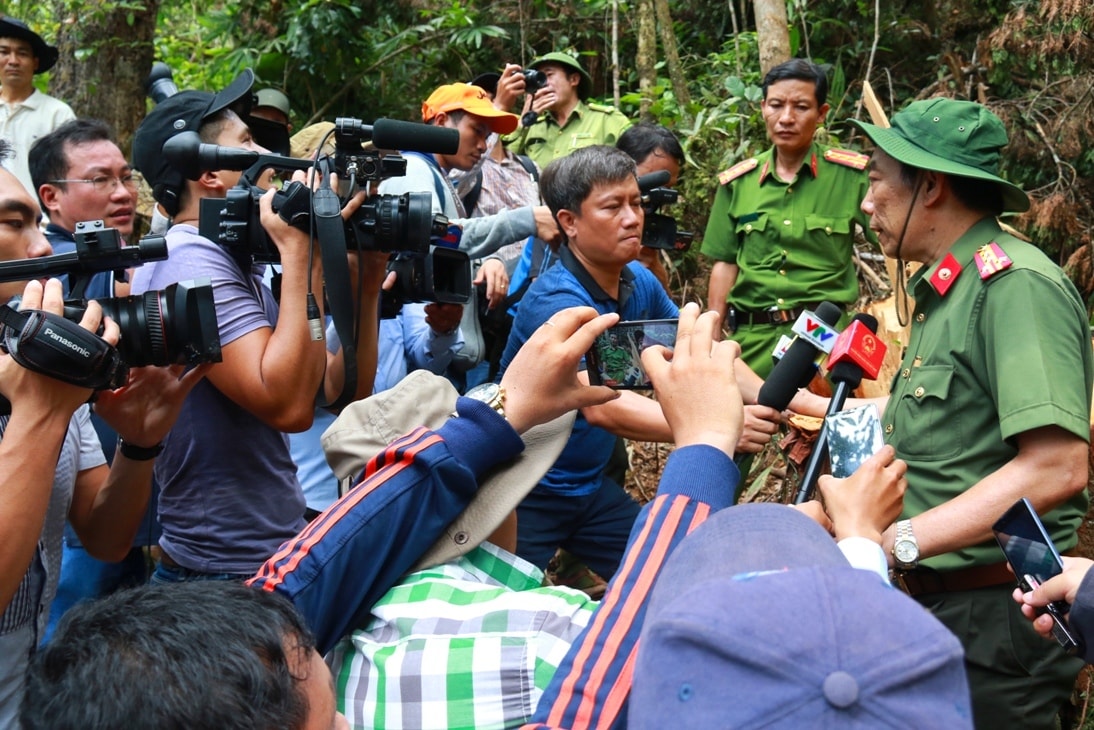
(906, 551)
(486, 392)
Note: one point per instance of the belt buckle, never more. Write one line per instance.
(780, 316)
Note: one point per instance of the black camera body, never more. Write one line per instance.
(534, 80)
(659, 230)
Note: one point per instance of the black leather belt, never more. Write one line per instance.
(739, 317)
(922, 581)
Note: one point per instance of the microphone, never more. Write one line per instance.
(190, 156)
(652, 180)
(857, 353)
(797, 367)
(392, 134)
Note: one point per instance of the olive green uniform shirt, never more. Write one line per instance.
(588, 124)
(988, 360)
(792, 241)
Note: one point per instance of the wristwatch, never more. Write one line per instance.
(905, 548)
(491, 394)
(139, 453)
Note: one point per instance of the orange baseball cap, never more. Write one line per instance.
(472, 100)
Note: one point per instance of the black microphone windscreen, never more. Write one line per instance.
(391, 134)
(797, 365)
(190, 156)
(652, 180)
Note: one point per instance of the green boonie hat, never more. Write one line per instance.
(954, 137)
(584, 87)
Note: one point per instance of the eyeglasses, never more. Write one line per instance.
(103, 183)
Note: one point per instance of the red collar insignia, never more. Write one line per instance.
(945, 275)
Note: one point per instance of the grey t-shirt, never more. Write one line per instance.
(229, 495)
(25, 618)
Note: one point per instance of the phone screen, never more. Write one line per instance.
(854, 436)
(615, 359)
(1033, 558)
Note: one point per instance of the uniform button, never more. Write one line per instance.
(748, 228)
(888, 428)
(906, 373)
(919, 392)
(779, 300)
(786, 222)
(789, 190)
(920, 317)
(782, 272)
(828, 230)
(785, 253)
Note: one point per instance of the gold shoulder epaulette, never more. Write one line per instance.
(847, 158)
(596, 107)
(728, 176)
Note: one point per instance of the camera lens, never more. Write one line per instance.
(396, 222)
(172, 326)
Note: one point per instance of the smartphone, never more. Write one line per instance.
(615, 359)
(854, 436)
(1034, 559)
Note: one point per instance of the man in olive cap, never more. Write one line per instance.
(26, 113)
(992, 399)
(564, 121)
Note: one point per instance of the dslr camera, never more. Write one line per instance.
(534, 80)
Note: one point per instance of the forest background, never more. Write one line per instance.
(692, 65)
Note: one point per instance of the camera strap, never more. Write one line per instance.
(49, 344)
(331, 236)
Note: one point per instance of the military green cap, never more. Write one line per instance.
(954, 137)
(584, 87)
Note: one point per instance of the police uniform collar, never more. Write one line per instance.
(809, 162)
(588, 283)
(961, 252)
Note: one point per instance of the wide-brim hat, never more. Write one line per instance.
(366, 427)
(950, 136)
(757, 619)
(182, 112)
(585, 86)
(46, 54)
(470, 99)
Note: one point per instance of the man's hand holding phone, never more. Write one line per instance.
(1063, 587)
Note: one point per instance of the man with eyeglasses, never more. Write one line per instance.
(80, 174)
(25, 113)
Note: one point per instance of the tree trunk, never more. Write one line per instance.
(772, 33)
(105, 59)
(646, 62)
(672, 56)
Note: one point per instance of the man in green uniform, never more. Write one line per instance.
(992, 400)
(564, 122)
(782, 227)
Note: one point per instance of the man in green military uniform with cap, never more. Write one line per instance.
(992, 400)
(781, 231)
(564, 121)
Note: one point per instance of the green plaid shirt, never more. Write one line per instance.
(469, 644)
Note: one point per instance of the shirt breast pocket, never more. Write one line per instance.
(820, 225)
(928, 427)
(755, 250)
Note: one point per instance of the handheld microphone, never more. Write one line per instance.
(798, 365)
(856, 353)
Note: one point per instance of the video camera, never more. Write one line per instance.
(659, 230)
(403, 224)
(176, 325)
